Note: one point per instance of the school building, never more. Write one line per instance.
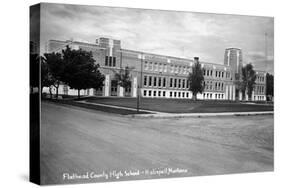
(161, 76)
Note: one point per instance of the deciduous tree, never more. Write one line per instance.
(269, 85)
(80, 71)
(123, 77)
(196, 79)
(55, 67)
(248, 78)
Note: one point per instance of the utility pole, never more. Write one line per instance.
(265, 53)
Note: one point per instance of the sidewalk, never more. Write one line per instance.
(155, 114)
(183, 115)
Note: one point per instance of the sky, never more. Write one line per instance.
(173, 33)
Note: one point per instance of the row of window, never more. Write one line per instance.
(260, 78)
(259, 89)
(171, 94)
(114, 86)
(155, 81)
(217, 74)
(110, 61)
(210, 96)
(218, 86)
(161, 67)
(259, 98)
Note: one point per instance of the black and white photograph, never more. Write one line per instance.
(133, 94)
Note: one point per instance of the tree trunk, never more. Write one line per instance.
(57, 92)
(78, 93)
(194, 96)
(50, 91)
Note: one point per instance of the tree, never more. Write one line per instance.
(55, 67)
(47, 79)
(34, 71)
(248, 78)
(240, 85)
(196, 79)
(80, 71)
(123, 77)
(269, 85)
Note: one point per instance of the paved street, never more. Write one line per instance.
(77, 140)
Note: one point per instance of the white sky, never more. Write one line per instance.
(180, 34)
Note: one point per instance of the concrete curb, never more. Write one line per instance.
(155, 114)
(117, 107)
(183, 115)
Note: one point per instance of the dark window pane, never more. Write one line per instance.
(106, 60)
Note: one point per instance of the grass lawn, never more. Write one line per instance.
(181, 105)
(95, 107)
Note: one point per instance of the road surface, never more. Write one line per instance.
(77, 143)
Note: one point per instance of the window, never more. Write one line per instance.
(144, 93)
(114, 62)
(179, 94)
(150, 80)
(171, 82)
(221, 86)
(175, 83)
(127, 90)
(145, 80)
(149, 93)
(164, 82)
(154, 93)
(187, 94)
(159, 93)
(187, 84)
(106, 60)
(216, 73)
(110, 61)
(183, 94)
(207, 72)
(172, 68)
(159, 81)
(155, 66)
(146, 65)
(151, 66)
(211, 73)
(222, 74)
(164, 93)
(183, 83)
(171, 94)
(175, 94)
(211, 96)
(160, 67)
(113, 87)
(176, 69)
(179, 83)
(155, 82)
(165, 68)
(204, 72)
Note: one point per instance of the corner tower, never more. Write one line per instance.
(233, 58)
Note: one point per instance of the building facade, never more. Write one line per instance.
(159, 76)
